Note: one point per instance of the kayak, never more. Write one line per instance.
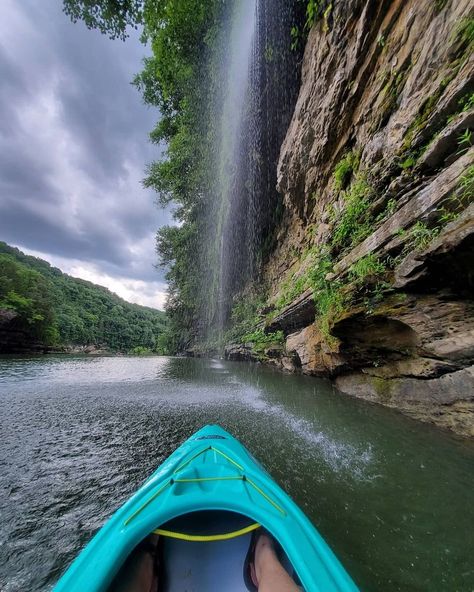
(201, 507)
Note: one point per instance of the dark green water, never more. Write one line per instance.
(393, 498)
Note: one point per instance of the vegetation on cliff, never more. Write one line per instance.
(41, 305)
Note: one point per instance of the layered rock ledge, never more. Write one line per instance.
(383, 125)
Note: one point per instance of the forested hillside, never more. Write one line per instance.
(42, 306)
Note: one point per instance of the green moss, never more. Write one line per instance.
(326, 15)
(355, 222)
(290, 290)
(440, 4)
(345, 168)
(330, 302)
(393, 82)
(408, 162)
(382, 388)
(464, 32)
(425, 112)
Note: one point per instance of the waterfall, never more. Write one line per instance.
(258, 85)
(236, 69)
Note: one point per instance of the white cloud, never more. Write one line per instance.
(73, 135)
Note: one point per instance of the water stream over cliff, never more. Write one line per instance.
(258, 84)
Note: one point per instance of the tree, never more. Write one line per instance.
(52, 308)
(111, 17)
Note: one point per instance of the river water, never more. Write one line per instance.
(394, 498)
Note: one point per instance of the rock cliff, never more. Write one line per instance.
(372, 277)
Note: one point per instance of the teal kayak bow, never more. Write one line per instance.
(210, 473)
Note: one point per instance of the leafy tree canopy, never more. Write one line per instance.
(111, 17)
(53, 308)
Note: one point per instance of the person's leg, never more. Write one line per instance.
(267, 572)
(138, 573)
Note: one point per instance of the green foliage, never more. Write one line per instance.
(466, 103)
(466, 185)
(140, 350)
(25, 292)
(447, 216)
(296, 37)
(261, 340)
(440, 4)
(316, 9)
(390, 208)
(329, 298)
(245, 315)
(465, 141)
(321, 266)
(111, 17)
(331, 303)
(290, 290)
(298, 282)
(313, 8)
(59, 309)
(269, 54)
(464, 32)
(355, 222)
(420, 236)
(366, 268)
(326, 14)
(345, 168)
(408, 162)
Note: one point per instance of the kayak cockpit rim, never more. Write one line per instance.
(197, 544)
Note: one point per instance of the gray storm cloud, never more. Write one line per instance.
(73, 146)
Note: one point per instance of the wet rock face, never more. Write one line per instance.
(314, 355)
(390, 82)
(238, 352)
(446, 401)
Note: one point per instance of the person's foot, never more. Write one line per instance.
(265, 557)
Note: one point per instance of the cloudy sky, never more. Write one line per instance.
(73, 148)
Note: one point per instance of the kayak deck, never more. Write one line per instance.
(210, 472)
